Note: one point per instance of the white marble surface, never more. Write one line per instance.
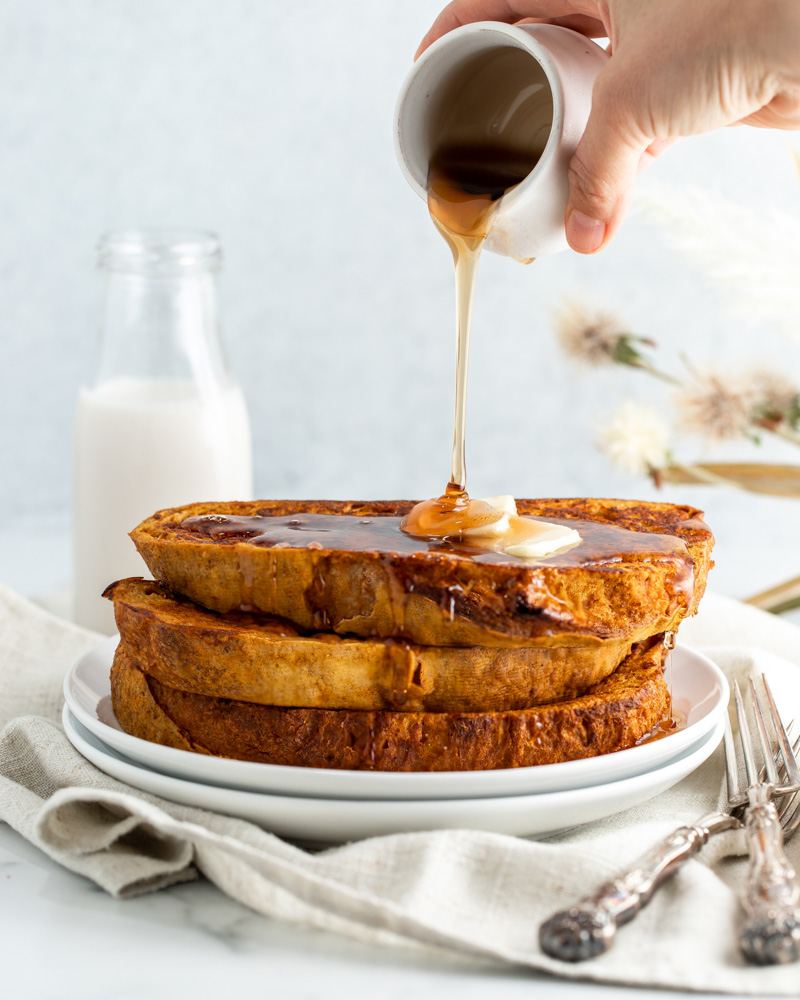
(61, 937)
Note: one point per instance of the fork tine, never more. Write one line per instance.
(790, 823)
(731, 765)
(744, 737)
(789, 805)
(766, 749)
(785, 800)
(771, 933)
(787, 751)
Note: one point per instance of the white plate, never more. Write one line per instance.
(699, 691)
(331, 821)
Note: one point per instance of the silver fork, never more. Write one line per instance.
(771, 932)
(589, 928)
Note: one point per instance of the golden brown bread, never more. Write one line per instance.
(639, 570)
(614, 714)
(267, 661)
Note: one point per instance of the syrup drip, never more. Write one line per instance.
(464, 188)
(675, 719)
(247, 574)
(673, 722)
(490, 128)
(449, 515)
(400, 670)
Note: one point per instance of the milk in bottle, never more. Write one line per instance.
(164, 423)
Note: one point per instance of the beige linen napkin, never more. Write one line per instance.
(461, 890)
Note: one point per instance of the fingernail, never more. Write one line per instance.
(584, 234)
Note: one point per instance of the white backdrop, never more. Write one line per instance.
(271, 124)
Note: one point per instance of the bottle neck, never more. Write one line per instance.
(162, 327)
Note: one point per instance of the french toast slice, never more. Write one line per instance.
(268, 661)
(346, 566)
(614, 714)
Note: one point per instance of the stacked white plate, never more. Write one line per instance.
(322, 806)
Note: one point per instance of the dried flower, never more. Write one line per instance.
(635, 438)
(716, 408)
(776, 399)
(596, 337)
(752, 254)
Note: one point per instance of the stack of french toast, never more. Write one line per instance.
(319, 634)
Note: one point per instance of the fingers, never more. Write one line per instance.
(592, 27)
(468, 11)
(600, 180)
(602, 171)
(782, 112)
(653, 151)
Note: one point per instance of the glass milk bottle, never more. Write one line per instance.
(163, 423)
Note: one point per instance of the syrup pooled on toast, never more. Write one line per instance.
(489, 130)
(603, 542)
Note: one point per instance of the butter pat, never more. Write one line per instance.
(522, 537)
(496, 529)
(529, 539)
(506, 503)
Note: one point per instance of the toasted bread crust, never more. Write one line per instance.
(612, 715)
(440, 598)
(267, 661)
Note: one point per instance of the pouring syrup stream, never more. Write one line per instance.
(465, 185)
(489, 125)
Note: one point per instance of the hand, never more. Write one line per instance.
(677, 68)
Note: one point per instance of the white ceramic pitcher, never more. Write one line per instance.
(530, 219)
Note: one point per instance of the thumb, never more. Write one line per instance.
(602, 172)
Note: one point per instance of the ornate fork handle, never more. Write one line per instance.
(588, 929)
(771, 934)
